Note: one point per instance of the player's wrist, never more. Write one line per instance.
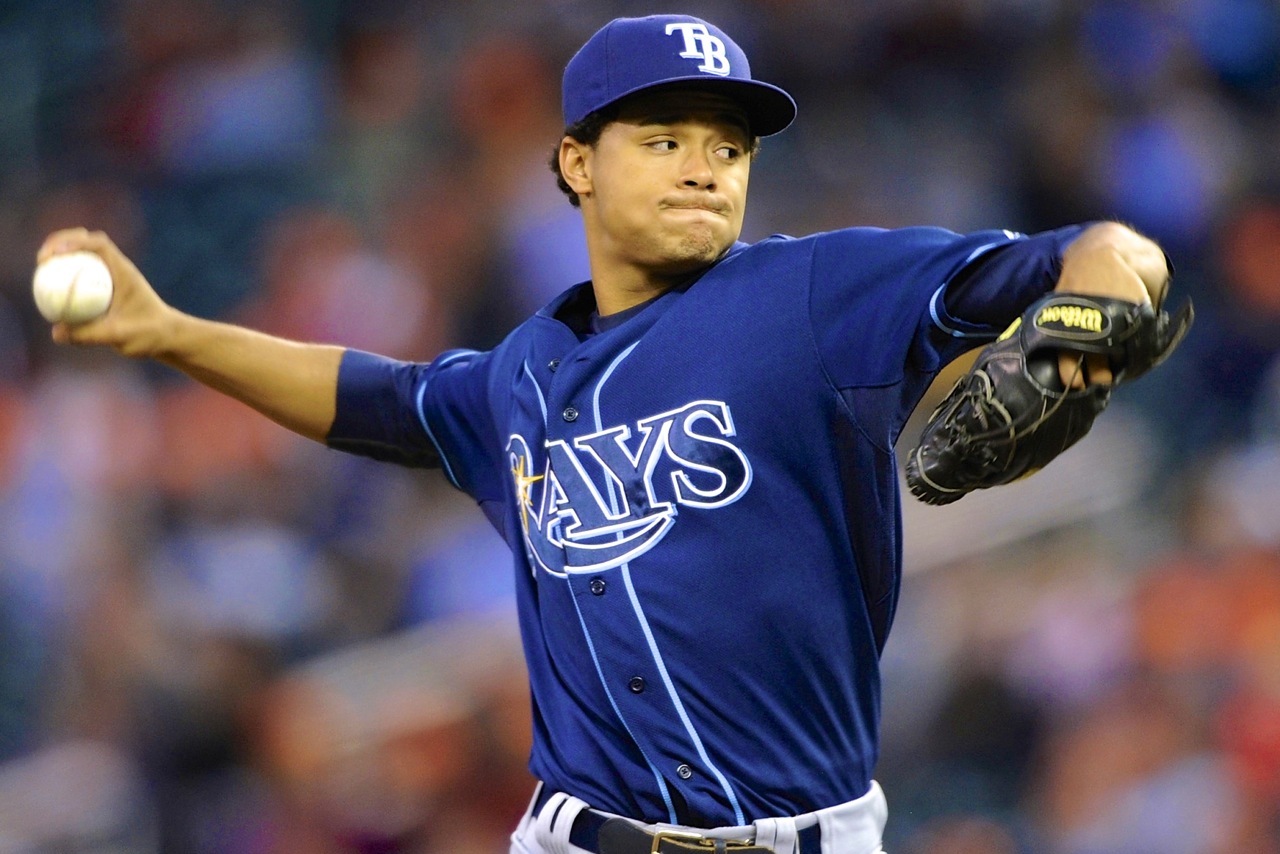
(171, 337)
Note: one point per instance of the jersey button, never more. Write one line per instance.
(553, 364)
(570, 414)
(636, 685)
(684, 772)
(597, 586)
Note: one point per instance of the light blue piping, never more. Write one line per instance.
(422, 415)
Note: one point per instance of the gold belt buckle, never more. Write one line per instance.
(675, 836)
(695, 839)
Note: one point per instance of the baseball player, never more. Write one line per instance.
(691, 455)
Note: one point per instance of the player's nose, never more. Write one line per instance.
(696, 170)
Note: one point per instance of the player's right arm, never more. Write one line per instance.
(293, 384)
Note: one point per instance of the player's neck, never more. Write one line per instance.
(613, 296)
(620, 286)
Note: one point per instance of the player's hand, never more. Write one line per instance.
(1108, 260)
(137, 322)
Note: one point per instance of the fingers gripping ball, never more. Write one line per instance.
(74, 287)
(1011, 414)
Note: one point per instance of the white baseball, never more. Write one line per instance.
(74, 287)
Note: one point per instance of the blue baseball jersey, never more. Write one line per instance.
(702, 504)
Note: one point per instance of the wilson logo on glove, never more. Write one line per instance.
(1064, 318)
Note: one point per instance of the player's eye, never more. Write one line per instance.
(729, 152)
(663, 145)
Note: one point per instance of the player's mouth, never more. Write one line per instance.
(707, 207)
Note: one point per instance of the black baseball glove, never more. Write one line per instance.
(1011, 414)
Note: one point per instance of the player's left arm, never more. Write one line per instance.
(1109, 259)
(1007, 418)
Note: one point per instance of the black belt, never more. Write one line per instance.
(604, 834)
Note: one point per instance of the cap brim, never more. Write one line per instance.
(769, 108)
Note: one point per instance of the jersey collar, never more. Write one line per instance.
(575, 306)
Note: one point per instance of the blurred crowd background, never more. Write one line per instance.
(216, 638)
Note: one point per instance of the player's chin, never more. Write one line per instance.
(700, 246)
(690, 260)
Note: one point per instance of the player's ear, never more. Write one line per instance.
(575, 165)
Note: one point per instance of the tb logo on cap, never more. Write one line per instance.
(701, 44)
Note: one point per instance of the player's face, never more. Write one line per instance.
(668, 181)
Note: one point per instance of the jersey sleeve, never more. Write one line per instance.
(434, 414)
(994, 288)
(887, 302)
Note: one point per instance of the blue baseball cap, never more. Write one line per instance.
(630, 55)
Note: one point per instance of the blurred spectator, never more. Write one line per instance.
(1132, 774)
(321, 281)
(79, 796)
(968, 835)
(247, 98)
(377, 762)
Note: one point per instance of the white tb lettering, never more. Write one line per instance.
(699, 43)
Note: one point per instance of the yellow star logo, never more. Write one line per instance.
(523, 484)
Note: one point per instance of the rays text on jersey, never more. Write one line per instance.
(602, 500)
